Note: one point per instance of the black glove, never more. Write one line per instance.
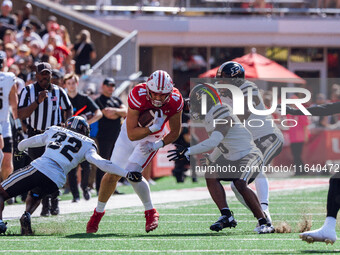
(134, 176)
(178, 153)
(19, 155)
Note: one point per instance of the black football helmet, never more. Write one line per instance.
(233, 71)
(79, 125)
(196, 94)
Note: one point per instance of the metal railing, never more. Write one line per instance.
(121, 63)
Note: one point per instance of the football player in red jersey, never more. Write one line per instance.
(136, 146)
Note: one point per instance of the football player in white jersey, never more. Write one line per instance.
(8, 97)
(242, 159)
(267, 137)
(65, 149)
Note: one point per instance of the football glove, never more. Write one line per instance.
(157, 122)
(148, 147)
(19, 155)
(134, 176)
(205, 161)
(178, 153)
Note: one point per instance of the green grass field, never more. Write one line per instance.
(183, 229)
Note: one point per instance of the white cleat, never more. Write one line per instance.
(266, 229)
(269, 220)
(319, 235)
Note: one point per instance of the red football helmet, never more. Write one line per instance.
(159, 82)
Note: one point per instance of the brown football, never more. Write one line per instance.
(146, 118)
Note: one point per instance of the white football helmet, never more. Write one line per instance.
(159, 82)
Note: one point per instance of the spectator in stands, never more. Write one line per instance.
(57, 78)
(51, 25)
(109, 126)
(61, 52)
(29, 34)
(29, 18)
(35, 51)
(10, 52)
(48, 57)
(9, 37)
(65, 36)
(83, 52)
(83, 106)
(7, 21)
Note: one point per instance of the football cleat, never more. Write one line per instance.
(269, 220)
(266, 229)
(92, 225)
(86, 194)
(151, 217)
(224, 222)
(25, 222)
(3, 227)
(319, 235)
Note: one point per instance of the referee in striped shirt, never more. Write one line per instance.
(40, 104)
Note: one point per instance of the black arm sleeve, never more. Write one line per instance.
(319, 110)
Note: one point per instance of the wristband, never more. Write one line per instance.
(17, 124)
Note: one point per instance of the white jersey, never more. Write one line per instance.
(264, 124)
(7, 80)
(238, 142)
(65, 149)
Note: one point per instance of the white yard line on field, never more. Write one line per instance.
(161, 197)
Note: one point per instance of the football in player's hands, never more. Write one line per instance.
(146, 118)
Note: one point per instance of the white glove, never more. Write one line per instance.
(148, 147)
(157, 122)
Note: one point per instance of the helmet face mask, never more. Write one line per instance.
(159, 82)
(79, 125)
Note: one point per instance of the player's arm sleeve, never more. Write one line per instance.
(207, 145)
(319, 110)
(32, 142)
(103, 164)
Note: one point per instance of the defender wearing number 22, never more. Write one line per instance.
(136, 146)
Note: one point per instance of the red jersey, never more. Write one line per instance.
(139, 101)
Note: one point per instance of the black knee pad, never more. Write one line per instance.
(8, 145)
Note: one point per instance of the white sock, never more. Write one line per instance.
(100, 207)
(262, 190)
(330, 223)
(142, 189)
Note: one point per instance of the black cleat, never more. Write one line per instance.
(54, 206)
(25, 222)
(46, 206)
(3, 227)
(224, 222)
(87, 194)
